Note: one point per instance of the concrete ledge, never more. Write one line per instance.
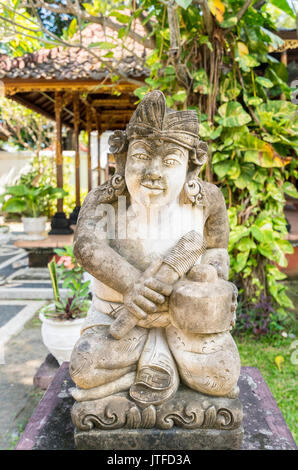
(50, 427)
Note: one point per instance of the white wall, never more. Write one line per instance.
(11, 164)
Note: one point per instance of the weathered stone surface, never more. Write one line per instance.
(155, 439)
(50, 426)
(188, 409)
(46, 372)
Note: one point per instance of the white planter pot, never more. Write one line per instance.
(60, 336)
(35, 227)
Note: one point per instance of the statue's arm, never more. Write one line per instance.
(216, 232)
(92, 249)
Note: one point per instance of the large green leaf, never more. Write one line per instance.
(223, 168)
(14, 205)
(245, 177)
(237, 233)
(284, 6)
(265, 82)
(18, 190)
(290, 189)
(261, 153)
(246, 244)
(276, 251)
(233, 115)
(278, 108)
(229, 89)
(240, 261)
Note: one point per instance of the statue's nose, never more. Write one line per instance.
(154, 171)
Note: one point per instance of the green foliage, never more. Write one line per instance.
(251, 132)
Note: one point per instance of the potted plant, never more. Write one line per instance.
(31, 201)
(62, 320)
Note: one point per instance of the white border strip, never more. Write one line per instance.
(12, 260)
(17, 323)
(27, 293)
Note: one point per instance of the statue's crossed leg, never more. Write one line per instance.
(102, 366)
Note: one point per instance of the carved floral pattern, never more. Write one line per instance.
(117, 411)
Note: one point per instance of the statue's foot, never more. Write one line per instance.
(154, 386)
(121, 384)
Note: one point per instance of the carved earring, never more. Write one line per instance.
(194, 191)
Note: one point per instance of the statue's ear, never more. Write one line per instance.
(118, 144)
(198, 155)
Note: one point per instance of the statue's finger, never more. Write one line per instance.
(159, 286)
(136, 311)
(152, 295)
(154, 267)
(145, 304)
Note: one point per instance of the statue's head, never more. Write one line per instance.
(164, 153)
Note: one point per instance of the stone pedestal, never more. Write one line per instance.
(157, 439)
(51, 428)
(190, 420)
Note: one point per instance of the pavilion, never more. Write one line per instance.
(72, 88)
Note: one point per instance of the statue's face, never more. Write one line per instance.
(155, 171)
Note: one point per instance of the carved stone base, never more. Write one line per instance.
(190, 418)
(156, 439)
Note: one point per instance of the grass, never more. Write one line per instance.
(261, 353)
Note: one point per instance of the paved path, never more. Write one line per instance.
(23, 354)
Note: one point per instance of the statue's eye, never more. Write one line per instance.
(169, 161)
(141, 156)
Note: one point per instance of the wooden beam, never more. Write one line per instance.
(33, 107)
(13, 86)
(110, 102)
(116, 114)
(59, 158)
(76, 109)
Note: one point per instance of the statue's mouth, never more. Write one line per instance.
(155, 186)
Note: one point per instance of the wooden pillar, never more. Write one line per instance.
(89, 127)
(76, 110)
(59, 158)
(98, 126)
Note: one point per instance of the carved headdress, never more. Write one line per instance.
(153, 120)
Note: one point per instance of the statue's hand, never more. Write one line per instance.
(148, 292)
(202, 273)
(145, 296)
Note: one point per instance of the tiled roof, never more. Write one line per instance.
(71, 63)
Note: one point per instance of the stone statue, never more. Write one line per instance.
(156, 350)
